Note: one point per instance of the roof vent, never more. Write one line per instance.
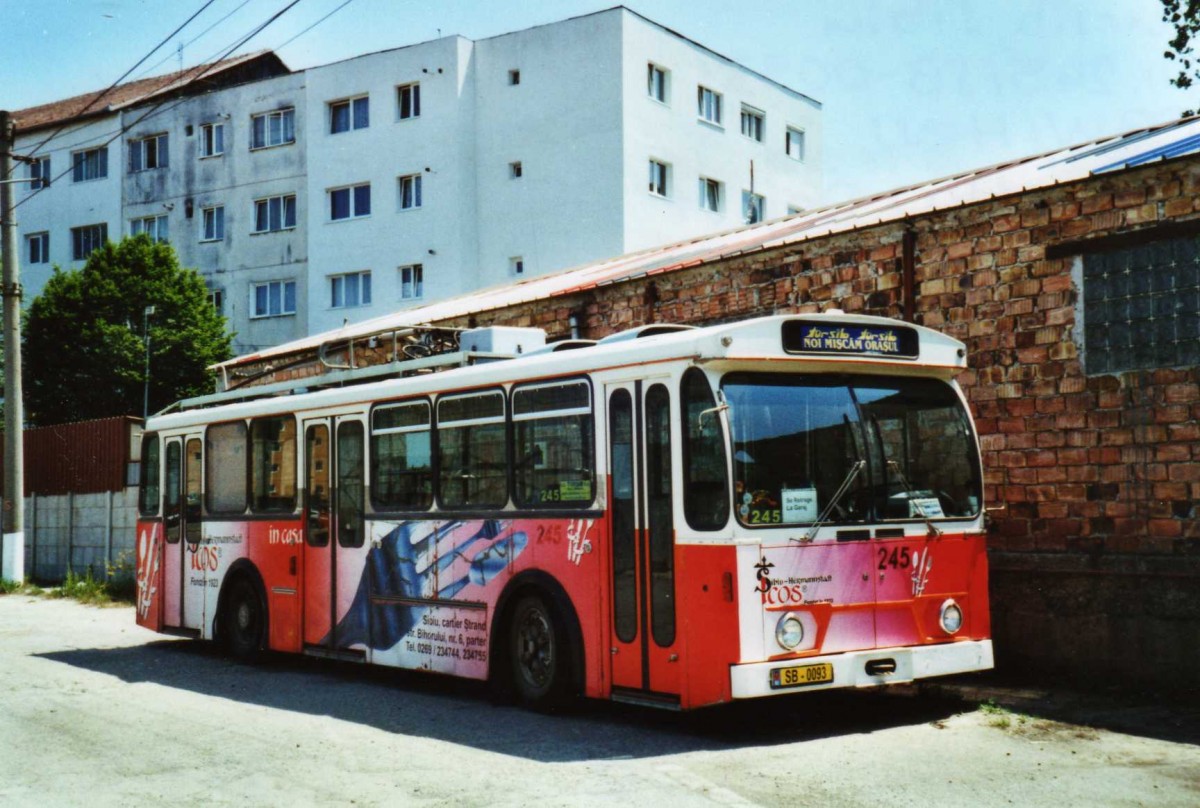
(643, 331)
(562, 345)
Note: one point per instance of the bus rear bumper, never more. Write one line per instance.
(881, 666)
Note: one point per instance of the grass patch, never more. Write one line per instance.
(25, 587)
(119, 589)
(1001, 717)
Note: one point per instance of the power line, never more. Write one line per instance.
(197, 37)
(112, 86)
(191, 80)
(314, 25)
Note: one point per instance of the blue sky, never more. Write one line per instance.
(911, 90)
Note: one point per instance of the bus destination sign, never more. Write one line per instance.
(849, 339)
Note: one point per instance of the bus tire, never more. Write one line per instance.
(538, 653)
(244, 618)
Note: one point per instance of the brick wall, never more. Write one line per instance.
(1095, 547)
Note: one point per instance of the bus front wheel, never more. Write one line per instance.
(537, 649)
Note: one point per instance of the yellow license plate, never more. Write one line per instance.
(802, 675)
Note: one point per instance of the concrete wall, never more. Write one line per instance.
(79, 531)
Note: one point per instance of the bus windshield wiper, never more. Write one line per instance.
(833, 501)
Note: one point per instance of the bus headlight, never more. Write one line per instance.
(789, 631)
(951, 617)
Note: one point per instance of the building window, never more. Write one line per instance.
(1141, 307)
(212, 223)
(708, 105)
(353, 113)
(212, 139)
(753, 123)
(216, 297)
(147, 153)
(710, 194)
(273, 299)
(346, 203)
(87, 238)
(410, 192)
(412, 282)
(795, 143)
(39, 172)
(658, 178)
(515, 170)
(408, 101)
(275, 213)
(273, 129)
(514, 77)
(349, 290)
(39, 248)
(516, 265)
(91, 164)
(153, 226)
(753, 207)
(656, 82)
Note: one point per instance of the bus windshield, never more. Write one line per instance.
(901, 448)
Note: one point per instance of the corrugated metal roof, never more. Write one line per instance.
(1137, 147)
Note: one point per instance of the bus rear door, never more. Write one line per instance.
(183, 584)
(334, 533)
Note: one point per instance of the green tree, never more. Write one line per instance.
(1184, 17)
(84, 351)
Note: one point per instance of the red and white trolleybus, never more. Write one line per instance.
(674, 516)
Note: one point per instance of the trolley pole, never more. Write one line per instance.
(12, 543)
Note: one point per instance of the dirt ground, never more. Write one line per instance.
(96, 711)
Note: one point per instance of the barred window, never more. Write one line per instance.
(1141, 307)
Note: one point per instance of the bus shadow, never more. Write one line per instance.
(463, 712)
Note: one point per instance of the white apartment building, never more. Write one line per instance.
(392, 179)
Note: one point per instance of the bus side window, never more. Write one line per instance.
(401, 456)
(273, 464)
(225, 468)
(705, 470)
(554, 445)
(148, 496)
(472, 451)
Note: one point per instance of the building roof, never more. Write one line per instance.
(1108, 154)
(137, 92)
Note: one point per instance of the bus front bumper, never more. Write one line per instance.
(881, 666)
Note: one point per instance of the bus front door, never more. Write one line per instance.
(334, 535)
(183, 583)
(645, 651)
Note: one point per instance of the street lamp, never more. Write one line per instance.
(146, 312)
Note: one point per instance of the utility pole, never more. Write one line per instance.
(12, 543)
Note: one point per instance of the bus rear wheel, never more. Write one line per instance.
(245, 619)
(537, 649)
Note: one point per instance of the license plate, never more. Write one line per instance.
(802, 675)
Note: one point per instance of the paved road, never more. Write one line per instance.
(96, 711)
